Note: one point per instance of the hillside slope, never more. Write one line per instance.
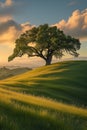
(48, 98)
(6, 73)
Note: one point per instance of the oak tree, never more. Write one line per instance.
(45, 41)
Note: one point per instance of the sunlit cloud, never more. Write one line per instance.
(13, 7)
(26, 26)
(6, 3)
(76, 25)
(5, 18)
(9, 36)
(10, 30)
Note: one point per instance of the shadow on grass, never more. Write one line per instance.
(22, 116)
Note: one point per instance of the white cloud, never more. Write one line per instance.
(76, 25)
(72, 3)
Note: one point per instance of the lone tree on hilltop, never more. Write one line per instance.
(45, 41)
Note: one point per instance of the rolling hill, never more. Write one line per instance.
(6, 72)
(47, 98)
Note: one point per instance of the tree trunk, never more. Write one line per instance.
(48, 60)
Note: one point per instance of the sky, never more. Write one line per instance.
(17, 16)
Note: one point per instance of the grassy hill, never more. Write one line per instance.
(48, 98)
(6, 73)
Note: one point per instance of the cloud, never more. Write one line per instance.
(10, 29)
(5, 18)
(4, 26)
(76, 25)
(72, 3)
(9, 36)
(11, 7)
(26, 26)
(6, 3)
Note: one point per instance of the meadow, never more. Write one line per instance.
(51, 97)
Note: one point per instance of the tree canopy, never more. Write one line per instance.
(45, 41)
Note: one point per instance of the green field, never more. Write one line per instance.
(47, 98)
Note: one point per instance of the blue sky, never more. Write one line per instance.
(46, 11)
(16, 16)
(43, 11)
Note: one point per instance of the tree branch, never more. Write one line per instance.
(38, 53)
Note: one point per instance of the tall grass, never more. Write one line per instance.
(47, 98)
